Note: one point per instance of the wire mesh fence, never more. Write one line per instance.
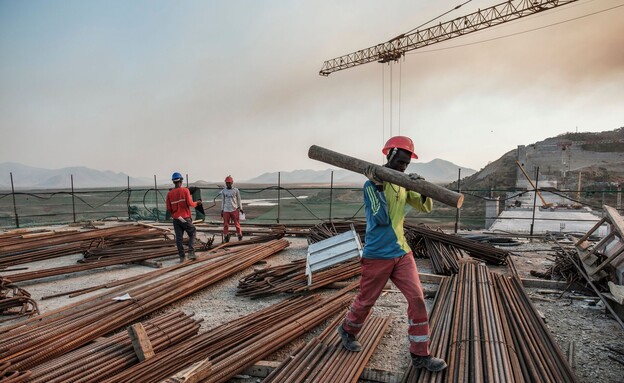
(266, 205)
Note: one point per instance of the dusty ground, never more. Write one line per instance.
(568, 319)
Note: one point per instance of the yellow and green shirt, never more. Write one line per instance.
(385, 214)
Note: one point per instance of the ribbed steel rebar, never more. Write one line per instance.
(291, 278)
(487, 329)
(34, 342)
(339, 365)
(235, 345)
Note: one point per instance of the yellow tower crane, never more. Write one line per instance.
(395, 48)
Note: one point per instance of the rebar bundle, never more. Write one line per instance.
(233, 346)
(44, 245)
(109, 356)
(451, 247)
(326, 230)
(291, 278)
(324, 360)
(33, 342)
(486, 328)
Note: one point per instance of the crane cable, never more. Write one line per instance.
(383, 89)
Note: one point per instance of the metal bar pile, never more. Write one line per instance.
(329, 229)
(291, 278)
(33, 342)
(12, 297)
(235, 345)
(486, 328)
(112, 355)
(562, 268)
(44, 245)
(324, 360)
(459, 245)
(444, 258)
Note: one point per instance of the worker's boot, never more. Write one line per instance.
(192, 256)
(182, 258)
(428, 362)
(226, 238)
(349, 341)
(240, 237)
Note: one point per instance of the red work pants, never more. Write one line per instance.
(403, 273)
(233, 215)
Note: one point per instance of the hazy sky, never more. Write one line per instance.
(211, 88)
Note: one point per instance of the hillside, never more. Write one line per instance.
(30, 177)
(599, 157)
(437, 171)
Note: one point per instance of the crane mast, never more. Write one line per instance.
(394, 49)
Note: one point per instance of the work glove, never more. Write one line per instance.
(416, 177)
(370, 173)
(241, 210)
(221, 213)
(199, 202)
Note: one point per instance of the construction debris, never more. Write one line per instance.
(13, 297)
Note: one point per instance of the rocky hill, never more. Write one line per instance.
(599, 157)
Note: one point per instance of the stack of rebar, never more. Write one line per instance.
(33, 342)
(233, 346)
(109, 356)
(44, 245)
(329, 229)
(291, 278)
(486, 328)
(324, 360)
(456, 246)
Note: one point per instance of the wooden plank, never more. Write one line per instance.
(608, 260)
(600, 244)
(616, 219)
(140, 342)
(195, 373)
(590, 232)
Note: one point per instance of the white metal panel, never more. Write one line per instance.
(332, 251)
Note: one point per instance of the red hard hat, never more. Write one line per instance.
(400, 142)
(229, 179)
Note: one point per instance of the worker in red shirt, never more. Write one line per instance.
(178, 202)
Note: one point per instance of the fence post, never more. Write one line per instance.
(331, 195)
(187, 180)
(534, 199)
(128, 199)
(279, 187)
(73, 201)
(156, 196)
(457, 214)
(14, 205)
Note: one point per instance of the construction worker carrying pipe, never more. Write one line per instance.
(178, 202)
(231, 208)
(387, 255)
